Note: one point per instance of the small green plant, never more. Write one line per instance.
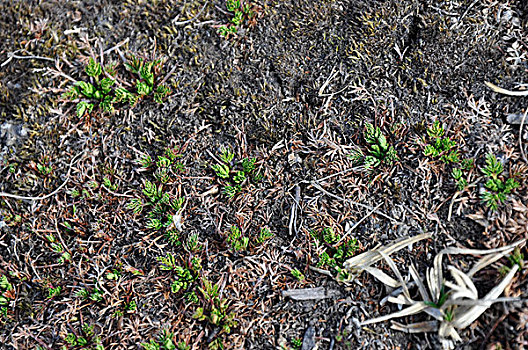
(515, 258)
(458, 173)
(167, 262)
(379, 150)
(95, 294)
(7, 293)
(333, 251)
(113, 275)
(54, 291)
(58, 248)
(240, 12)
(233, 177)
(87, 339)
(461, 182)
(444, 294)
(439, 146)
(164, 341)
(163, 208)
(44, 170)
(108, 184)
(299, 276)
(148, 73)
(496, 187)
(296, 343)
(186, 276)
(98, 91)
(214, 309)
(264, 235)
(237, 241)
(192, 244)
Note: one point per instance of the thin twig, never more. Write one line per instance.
(176, 23)
(168, 75)
(500, 90)
(12, 55)
(117, 46)
(358, 223)
(521, 136)
(320, 188)
(14, 196)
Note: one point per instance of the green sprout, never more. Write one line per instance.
(162, 209)
(379, 150)
(458, 173)
(86, 340)
(460, 180)
(296, 343)
(237, 241)
(299, 276)
(164, 341)
(99, 90)
(186, 276)
(441, 299)
(6, 294)
(240, 13)
(334, 250)
(214, 309)
(264, 235)
(54, 292)
(233, 177)
(496, 187)
(441, 147)
(168, 262)
(221, 170)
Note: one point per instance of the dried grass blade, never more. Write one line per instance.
(503, 91)
(454, 250)
(464, 282)
(359, 262)
(419, 282)
(401, 300)
(420, 327)
(487, 260)
(394, 269)
(411, 310)
(382, 277)
(463, 320)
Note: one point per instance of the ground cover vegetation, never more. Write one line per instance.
(263, 174)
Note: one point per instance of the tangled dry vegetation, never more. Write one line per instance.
(219, 174)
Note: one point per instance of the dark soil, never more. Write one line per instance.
(294, 88)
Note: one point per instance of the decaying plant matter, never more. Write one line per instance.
(453, 304)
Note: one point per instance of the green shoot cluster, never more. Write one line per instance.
(186, 275)
(86, 340)
(299, 276)
(334, 250)
(164, 341)
(162, 208)
(379, 151)
(458, 173)
(234, 176)
(496, 187)
(58, 248)
(441, 147)
(240, 242)
(240, 13)
(95, 294)
(99, 90)
(6, 294)
(215, 311)
(296, 343)
(237, 241)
